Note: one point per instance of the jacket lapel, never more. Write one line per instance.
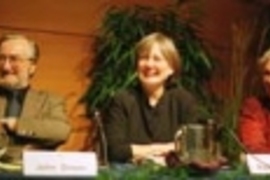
(3, 103)
(31, 104)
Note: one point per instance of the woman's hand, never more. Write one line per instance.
(155, 152)
(161, 149)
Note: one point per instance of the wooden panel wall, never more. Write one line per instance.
(63, 29)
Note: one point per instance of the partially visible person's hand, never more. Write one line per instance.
(162, 149)
(160, 160)
(10, 123)
(155, 152)
(31, 147)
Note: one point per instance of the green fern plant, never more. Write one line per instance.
(114, 49)
(241, 75)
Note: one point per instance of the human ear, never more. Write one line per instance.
(32, 69)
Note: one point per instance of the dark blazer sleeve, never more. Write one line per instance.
(115, 125)
(189, 107)
(44, 118)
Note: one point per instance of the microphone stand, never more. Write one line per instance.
(102, 144)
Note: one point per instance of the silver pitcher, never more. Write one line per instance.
(196, 142)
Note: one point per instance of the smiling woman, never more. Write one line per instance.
(157, 62)
(140, 122)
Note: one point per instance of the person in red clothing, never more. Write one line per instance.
(254, 124)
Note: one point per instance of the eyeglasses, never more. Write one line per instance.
(13, 59)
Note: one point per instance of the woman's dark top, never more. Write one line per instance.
(131, 120)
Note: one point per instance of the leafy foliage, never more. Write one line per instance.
(239, 76)
(114, 49)
(151, 171)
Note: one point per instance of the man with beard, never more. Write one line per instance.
(31, 119)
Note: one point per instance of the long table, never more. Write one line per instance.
(154, 172)
(149, 172)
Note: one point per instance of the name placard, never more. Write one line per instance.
(258, 163)
(43, 163)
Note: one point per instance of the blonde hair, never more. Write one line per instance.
(167, 47)
(264, 60)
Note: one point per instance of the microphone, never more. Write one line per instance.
(102, 145)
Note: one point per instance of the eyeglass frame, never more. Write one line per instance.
(12, 59)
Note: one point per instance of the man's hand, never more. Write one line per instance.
(10, 123)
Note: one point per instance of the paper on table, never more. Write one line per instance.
(258, 163)
(44, 163)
